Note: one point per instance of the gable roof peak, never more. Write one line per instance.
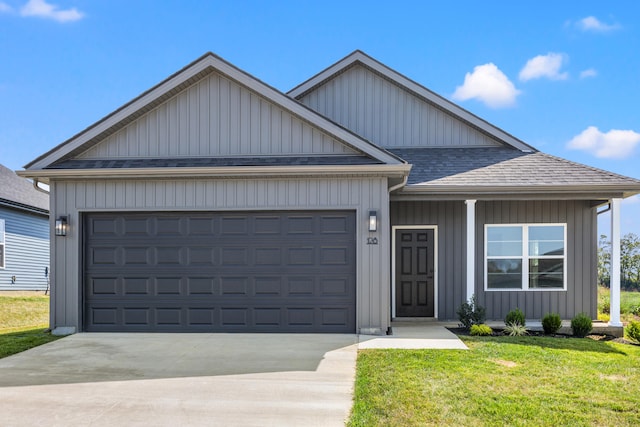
(418, 90)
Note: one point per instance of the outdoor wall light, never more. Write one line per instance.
(61, 226)
(373, 221)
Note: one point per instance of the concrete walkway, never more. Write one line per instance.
(414, 335)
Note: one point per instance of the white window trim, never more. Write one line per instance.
(3, 243)
(525, 257)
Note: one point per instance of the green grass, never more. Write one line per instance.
(23, 323)
(514, 381)
(628, 302)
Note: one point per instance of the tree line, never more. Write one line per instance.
(629, 262)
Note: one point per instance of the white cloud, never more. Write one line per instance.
(489, 85)
(591, 23)
(588, 73)
(615, 144)
(544, 66)
(5, 7)
(42, 9)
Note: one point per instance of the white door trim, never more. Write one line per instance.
(393, 264)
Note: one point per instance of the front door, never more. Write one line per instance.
(414, 273)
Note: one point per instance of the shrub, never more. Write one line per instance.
(481, 330)
(636, 310)
(515, 329)
(470, 313)
(632, 331)
(515, 316)
(551, 323)
(581, 325)
(605, 305)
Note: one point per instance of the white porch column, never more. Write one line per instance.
(471, 246)
(614, 286)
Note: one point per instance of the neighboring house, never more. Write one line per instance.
(24, 234)
(213, 202)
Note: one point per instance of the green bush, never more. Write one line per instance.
(481, 330)
(581, 325)
(515, 329)
(632, 331)
(515, 316)
(551, 323)
(605, 305)
(470, 313)
(636, 310)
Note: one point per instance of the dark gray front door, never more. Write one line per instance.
(230, 272)
(414, 273)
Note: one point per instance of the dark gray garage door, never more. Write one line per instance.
(223, 272)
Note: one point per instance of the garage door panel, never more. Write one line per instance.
(232, 272)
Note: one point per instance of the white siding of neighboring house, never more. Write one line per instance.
(26, 250)
(389, 115)
(359, 194)
(216, 117)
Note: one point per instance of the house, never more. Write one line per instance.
(24, 234)
(214, 202)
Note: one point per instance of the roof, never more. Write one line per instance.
(19, 193)
(361, 58)
(178, 82)
(501, 169)
(189, 162)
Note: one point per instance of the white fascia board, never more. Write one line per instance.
(243, 78)
(418, 89)
(529, 189)
(220, 172)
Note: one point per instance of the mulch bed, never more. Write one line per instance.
(596, 337)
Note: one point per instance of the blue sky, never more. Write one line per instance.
(561, 75)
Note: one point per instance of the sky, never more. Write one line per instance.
(563, 76)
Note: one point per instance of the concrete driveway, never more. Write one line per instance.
(181, 379)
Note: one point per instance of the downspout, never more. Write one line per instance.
(37, 187)
(402, 184)
(607, 209)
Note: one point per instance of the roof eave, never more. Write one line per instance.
(585, 192)
(237, 172)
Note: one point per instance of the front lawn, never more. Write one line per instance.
(23, 323)
(500, 381)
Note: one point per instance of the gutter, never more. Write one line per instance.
(37, 187)
(400, 170)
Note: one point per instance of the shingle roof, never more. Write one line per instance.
(502, 167)
(19, 192)
(189, 162)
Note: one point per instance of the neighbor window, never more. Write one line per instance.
(525, 256)
(1, 243)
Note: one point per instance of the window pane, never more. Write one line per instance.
(504, 249)
(546, 232)
(546, 240)
(504, 274)
(1, 230)
(504, 241)
(2, 256)
(546, 273)
(546, 248)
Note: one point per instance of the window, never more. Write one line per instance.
(525, 257)
(1, 243)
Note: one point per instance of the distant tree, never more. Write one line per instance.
(604, 261)
(629, 261)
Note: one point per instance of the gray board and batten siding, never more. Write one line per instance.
(450, 219)
(216, 117)
(26, 250)
(153, 197)
(389, 115)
